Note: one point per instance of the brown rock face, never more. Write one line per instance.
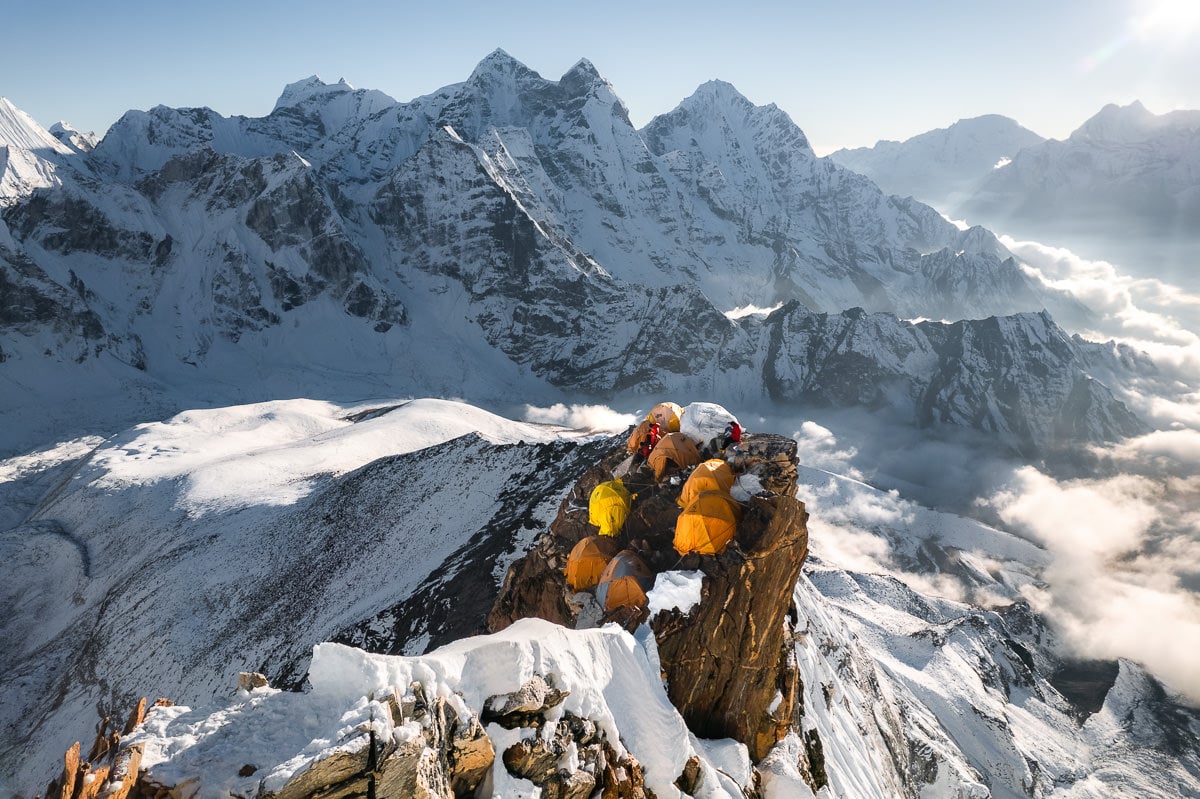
(726, 661)
(111, 769)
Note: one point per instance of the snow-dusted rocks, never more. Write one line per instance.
(1021, 378)
(421, 727)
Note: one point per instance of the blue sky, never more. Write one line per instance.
(848, 73)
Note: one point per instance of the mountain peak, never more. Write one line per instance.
(18, 129)
(1119, 123)
(583, 68)
(499, 62)
(298, 92)
(720, 90)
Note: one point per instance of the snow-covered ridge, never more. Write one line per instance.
(1133, 123)
(1125, 175)
(309, 500)
(18, 129)
(29, 158)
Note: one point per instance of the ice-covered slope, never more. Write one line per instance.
(941, 167)
(29, 156)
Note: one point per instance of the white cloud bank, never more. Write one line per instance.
(1124, 549)
(589, 418)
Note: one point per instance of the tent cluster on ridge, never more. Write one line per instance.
(669, 440)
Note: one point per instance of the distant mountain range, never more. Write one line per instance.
(942, 167)
(1125, 168)
(1124, 186)
(506, 238)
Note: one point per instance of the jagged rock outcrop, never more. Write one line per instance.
(428, 747)
(727, 661)
(111, 770)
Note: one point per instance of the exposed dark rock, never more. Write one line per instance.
(456, 598)
(726, 660)
(816, 760)
(67, 224)
(525, 707)
(692, 778)
(1085, 683)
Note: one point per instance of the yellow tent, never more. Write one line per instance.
(625, 581)
(666, 414)
(608, 506)
(587, 560)
(672, 448)
(712, 475)
(707, 524)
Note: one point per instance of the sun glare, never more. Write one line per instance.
(1167, 19)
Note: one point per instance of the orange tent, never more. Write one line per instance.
(639, 435)
(666, 414)
(712, 475)
(672, 448)
(587, 560)
(608, 506)
(625, 581)
(707, 524)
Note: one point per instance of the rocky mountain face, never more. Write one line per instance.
(505, 236)
(726, 661)
(1124, 169)
(944, 166)
(1020, 378)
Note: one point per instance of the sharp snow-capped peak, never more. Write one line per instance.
(302, 91)
(18, 129)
